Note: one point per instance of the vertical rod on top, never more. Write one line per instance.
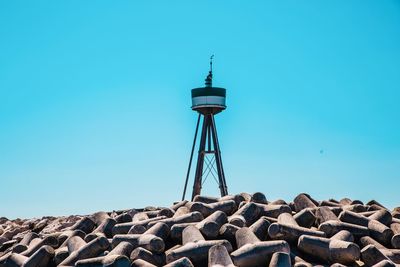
(191, 157)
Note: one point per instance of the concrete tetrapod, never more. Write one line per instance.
(382, 216)
(24, 243)
(252, 252)
(329, 250)
(332, 227)
(205, 199)
(273, 210)
(344, 236)
(73, 242)
(152, 239)
(280, 259)
(303, 201)
(123, 228)
(155, 232)
(86, 225)
(297, 261)
(210, 226)
(118, 257)
(228, 231)
(227, 206)
(324, 214)
(384, 263)
(305, 218)
(377, 230)
(40, 258)
(144, 254)
(260, 228)
(395, 241)
(259, 197)
(218, 256)
(194, 247)
(142, 263)
(370, 255)
(181, 211)
(105, 228)
(238, 198)
(288, 229)
(89, 250)
(37, 243)
(147, 241)
(176, 231)
(178, 204)
(182, 262)
(245, 216)
(186, 218)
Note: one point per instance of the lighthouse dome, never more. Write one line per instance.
(208, 99)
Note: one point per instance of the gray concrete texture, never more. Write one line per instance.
(235, 230)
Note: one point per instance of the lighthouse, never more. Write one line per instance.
(207, 101)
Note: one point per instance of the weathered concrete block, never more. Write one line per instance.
(246, 215)
(259, 197)
(258, 254)
(218, 256)
(291, 233)
(305, 218)
(205, 199)
(144, 254)
(167, 212)
(147, 241)
(227, 206)
(303, 201)
(237, 198)
(177, 229)
(273, 211)
(228, 231)
(344, 236)
(191, 234)
(377, 230)
(123, 228)
(182, 262)
(382, 216)
(190, 217)
(260, 228)
(370, 255)
(89, 250)
(384, 263)
(142, 263)
(280, 259)
(331, 227)
(329, 250)
(86, 225)
(245, 236)
(195, 247)
(37, 243)
(210, 226)
(108, 261)
(395, 241)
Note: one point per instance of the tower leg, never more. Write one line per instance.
(191, 157)
(200, 158)
(218, 160)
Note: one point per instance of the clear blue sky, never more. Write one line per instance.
(95, 100)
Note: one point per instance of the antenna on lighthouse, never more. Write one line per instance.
(211, 59)
(210, 75)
